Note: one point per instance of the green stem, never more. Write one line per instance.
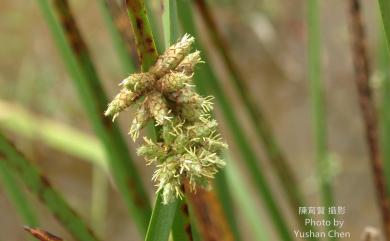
(77, 60)
(146, 46)
(41, 187)
(206, 83)
(317, 102)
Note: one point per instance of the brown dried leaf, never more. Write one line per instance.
(42, 235)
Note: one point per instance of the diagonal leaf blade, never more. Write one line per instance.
(41, 187)
(17, 195)
(80, 67)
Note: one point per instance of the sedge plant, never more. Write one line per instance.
(177, 110)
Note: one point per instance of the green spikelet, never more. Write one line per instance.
(171, 58)
(141, 118)
(121, 101)
(139, 83)
(173, 81)
(158, 107)
(188, 64)
(153, 152)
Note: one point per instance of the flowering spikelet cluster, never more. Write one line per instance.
(189, 144)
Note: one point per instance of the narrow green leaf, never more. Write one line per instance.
(225, 196)
(53, 133)
(170, 22)
(82, 71)
(161, 220)
(41, 187)
(99, 200)
(194, 229)
(17, 196)
(208, 83)
(245, 202)
(384, 62)
(317, 104)
(384, 65)
(384, 6)
(154, 19)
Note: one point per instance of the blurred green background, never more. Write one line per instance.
(268, 42)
